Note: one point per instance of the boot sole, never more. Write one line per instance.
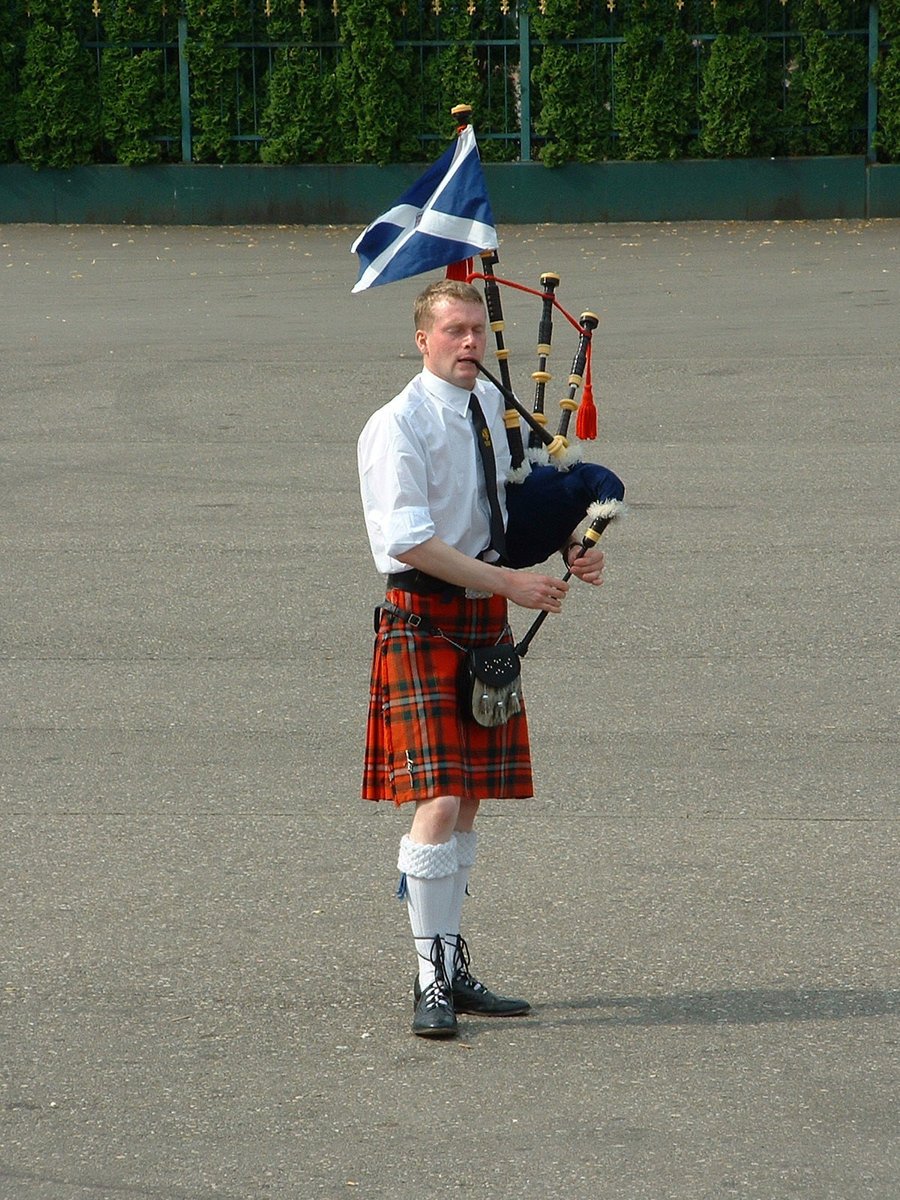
(435, 1033)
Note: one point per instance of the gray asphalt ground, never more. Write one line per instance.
(206, 978)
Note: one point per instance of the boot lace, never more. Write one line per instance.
(437, 994)
(461, 973)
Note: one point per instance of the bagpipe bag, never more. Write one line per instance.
(549, 503)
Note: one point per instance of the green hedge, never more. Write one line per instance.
(54, 104)
(139, 104)
(373, 81)
(887, 77)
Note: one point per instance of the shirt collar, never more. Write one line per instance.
(448, 393)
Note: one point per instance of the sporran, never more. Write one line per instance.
(490, 684)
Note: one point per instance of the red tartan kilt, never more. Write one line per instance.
(418, 742)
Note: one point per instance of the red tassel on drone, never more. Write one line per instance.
(586, 421)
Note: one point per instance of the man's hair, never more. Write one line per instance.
(437, 293)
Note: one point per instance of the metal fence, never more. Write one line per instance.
(507, 46)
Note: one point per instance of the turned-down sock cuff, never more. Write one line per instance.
(427, 862)
(466, 847)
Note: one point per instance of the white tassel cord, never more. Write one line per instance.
(607, 510)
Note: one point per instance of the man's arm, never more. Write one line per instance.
(524, 588)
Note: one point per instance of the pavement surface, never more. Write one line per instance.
(205, 978)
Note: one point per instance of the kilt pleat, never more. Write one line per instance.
(418, 743)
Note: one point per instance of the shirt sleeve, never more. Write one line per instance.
(393, 473)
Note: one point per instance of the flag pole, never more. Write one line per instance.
(462, 113)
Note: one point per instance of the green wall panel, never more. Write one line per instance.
(521, 193)
(884, 190)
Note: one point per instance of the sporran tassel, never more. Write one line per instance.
(497, 705)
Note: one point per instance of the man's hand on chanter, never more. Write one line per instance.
(535, 591)
(588, 567)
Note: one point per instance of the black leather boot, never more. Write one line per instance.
(434, 1015)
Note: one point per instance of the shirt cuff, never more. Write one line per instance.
(406, 528)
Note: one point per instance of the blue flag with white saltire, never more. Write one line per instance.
(444, 217)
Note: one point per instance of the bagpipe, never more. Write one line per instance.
(550, 490)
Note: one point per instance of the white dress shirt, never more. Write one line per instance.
(419, 472)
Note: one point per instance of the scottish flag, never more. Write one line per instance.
(444, 217)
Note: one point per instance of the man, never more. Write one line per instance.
(435, 514)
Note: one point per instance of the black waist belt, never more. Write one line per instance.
(421, 584)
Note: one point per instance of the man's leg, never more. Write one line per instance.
(469, 994)
(428, 860)
(466, 847)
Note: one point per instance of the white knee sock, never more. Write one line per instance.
(466, 848)
(430, 887)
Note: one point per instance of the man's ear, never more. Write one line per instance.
(421, 340)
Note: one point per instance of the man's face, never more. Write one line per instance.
(454, 341)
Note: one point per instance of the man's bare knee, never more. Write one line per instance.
(435, 820)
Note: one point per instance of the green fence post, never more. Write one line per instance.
(524, 84)
(184, 85)
(872, 117)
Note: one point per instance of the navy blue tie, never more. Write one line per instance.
(489, 466)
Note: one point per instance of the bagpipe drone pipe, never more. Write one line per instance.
(550, 490)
